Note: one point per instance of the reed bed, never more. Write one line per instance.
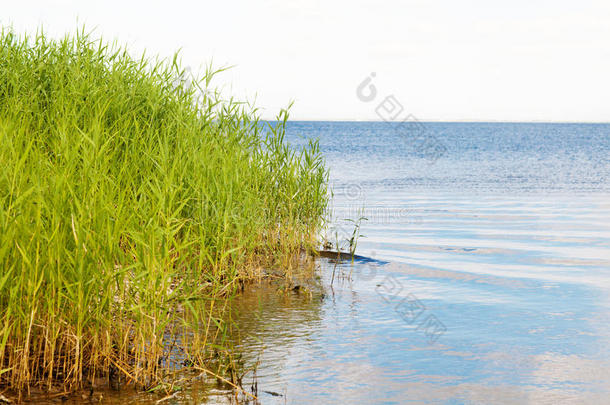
(127, 204)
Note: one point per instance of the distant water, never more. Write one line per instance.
(477, 157)
(539, 190)
(485, 276)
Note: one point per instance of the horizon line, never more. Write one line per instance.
(448, 121)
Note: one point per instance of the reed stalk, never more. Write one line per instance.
(127, 203)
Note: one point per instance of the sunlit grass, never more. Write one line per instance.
(124, 202)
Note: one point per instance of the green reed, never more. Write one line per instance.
(126, 202)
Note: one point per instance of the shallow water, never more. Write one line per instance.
(485, 276)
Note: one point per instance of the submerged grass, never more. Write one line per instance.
(125, 202)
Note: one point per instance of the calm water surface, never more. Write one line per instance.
(491, 279)
(485, 277)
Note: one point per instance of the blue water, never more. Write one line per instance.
(484, 275)
(486, 157)
(497, 232)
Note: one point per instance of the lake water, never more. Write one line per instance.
(484, 276)
(491, 279)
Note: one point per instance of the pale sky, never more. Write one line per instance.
(518, 60)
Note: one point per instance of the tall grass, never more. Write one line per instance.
(124, 201)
